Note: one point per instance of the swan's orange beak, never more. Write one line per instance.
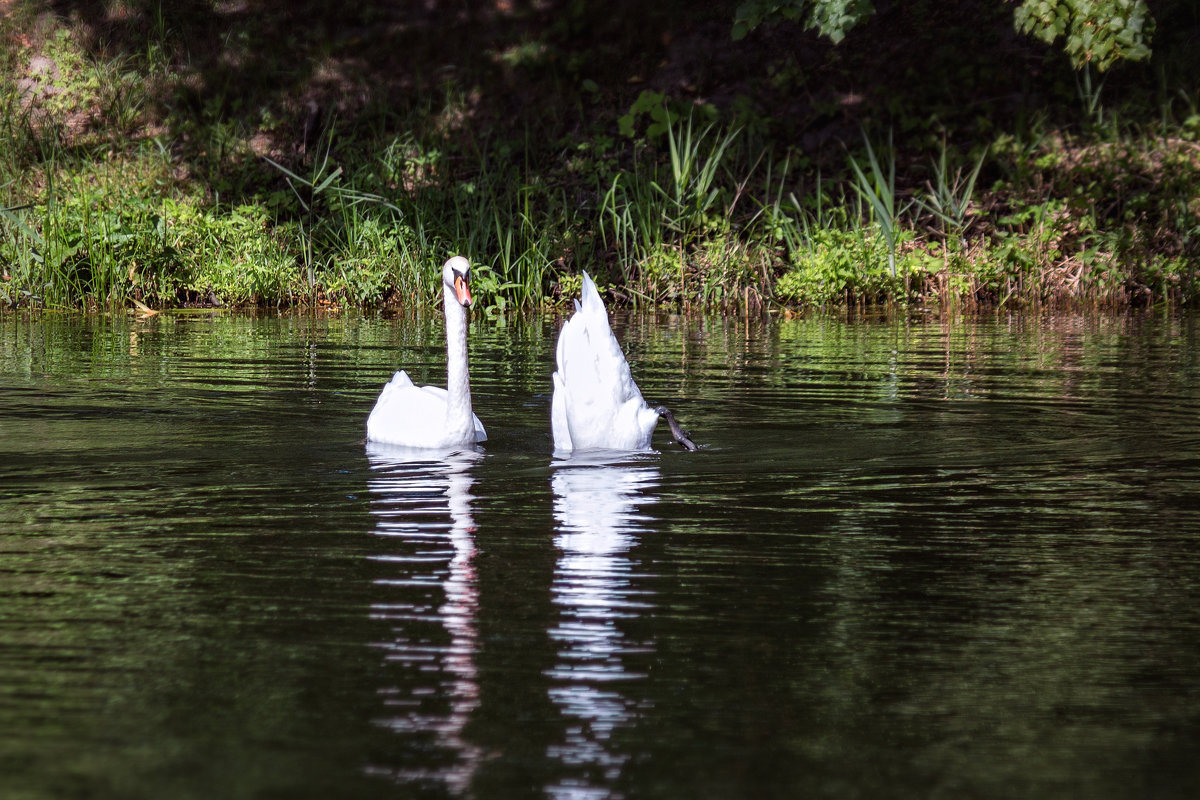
(462, 290)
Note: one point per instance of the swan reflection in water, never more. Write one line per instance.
(598, 513)
(421, 501)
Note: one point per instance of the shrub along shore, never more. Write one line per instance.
(300, 160)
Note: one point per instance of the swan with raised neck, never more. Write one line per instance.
(427, 417)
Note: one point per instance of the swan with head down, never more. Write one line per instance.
(426, 417)
(596, 404)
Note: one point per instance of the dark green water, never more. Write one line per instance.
(912, 560)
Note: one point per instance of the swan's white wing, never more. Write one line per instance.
(596, 403)
(412, 416)
(558, 416)
(406, 415)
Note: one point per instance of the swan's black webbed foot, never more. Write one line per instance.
(677, 433)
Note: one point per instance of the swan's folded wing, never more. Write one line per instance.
(399, 381)
(558, 414)
(404, 414)
(441, 400)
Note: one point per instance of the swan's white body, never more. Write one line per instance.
(596, 405)
(429, 417)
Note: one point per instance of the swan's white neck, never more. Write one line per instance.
(458, 382)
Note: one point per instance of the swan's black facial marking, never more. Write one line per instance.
(460, 279)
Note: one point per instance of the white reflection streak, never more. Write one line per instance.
(596, 509)
(411, 494)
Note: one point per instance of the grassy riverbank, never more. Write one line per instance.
(284, 154)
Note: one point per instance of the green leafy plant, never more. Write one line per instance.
(879, 191)
(831, 271)
(948, 196)
(832, 18)
(659, 113)
(1089, 92)
(1099, 32)
(693, 189)
(1094, 32)
(650, 215)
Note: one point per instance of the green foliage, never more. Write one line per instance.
(66, 81)
(659, 113)
(693, 190)
(831, 18)
(98, 208)
(367, 261)
(85, 241)
(879, 190)
(232, 255)
(835, 268)
(1089, 95)
(73, 241)
(1099, 32)
(948, 196)
(653, 213)
(648, 104)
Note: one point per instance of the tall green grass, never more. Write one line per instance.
(879, 191)
(700, 214)
(654, 216)
(949, 195)
(384, 226)
(122, 182)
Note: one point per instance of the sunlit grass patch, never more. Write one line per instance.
(231, 257)
(843, 266)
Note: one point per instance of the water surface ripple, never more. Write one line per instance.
(912, 559)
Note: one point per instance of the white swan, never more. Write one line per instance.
(596, 405)
(428, 416)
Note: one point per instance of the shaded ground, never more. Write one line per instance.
(557, 69)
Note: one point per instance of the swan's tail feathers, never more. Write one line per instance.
(590, 297)
(677, 433)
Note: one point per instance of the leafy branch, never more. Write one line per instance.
(1096, 32)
